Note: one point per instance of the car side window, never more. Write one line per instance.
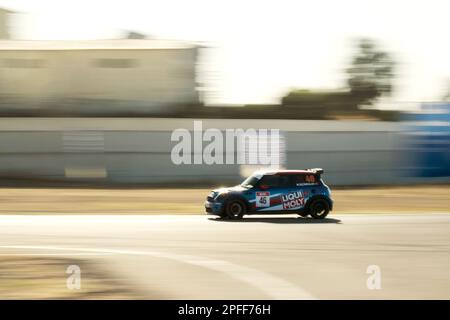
(304, 179)
(274, 181)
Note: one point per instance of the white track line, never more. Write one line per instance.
(271, 285)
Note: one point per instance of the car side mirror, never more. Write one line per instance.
(263, 186)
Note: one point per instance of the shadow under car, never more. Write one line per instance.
(280, 220)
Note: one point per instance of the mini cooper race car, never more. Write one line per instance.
(284, 191)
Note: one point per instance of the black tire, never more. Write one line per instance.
(235, 209)
(319, 209)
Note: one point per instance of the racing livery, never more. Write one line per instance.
(282, 191)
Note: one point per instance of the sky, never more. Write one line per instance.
(259, 50)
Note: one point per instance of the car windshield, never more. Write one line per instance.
(251, 181)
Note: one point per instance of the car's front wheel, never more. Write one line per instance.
(319, 209)
(234, 209)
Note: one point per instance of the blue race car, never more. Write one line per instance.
(283, 191)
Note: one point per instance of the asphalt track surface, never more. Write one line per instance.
(260, 257)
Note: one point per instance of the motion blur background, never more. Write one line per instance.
(91, 91)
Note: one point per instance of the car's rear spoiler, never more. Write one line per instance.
(316, 170)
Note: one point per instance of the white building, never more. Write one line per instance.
(131, 73)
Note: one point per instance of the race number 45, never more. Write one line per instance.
(263, 199)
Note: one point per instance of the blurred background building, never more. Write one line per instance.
(82, 85)
(5, 16)
(131, 75)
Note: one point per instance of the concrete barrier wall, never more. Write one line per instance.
(138, 150)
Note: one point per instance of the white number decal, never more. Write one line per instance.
(263, 199)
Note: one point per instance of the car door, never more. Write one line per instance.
(295, 197)
(269, 192)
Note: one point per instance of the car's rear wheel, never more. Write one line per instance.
(235, 209)
(319, 209)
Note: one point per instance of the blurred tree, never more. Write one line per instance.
(371, 73)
